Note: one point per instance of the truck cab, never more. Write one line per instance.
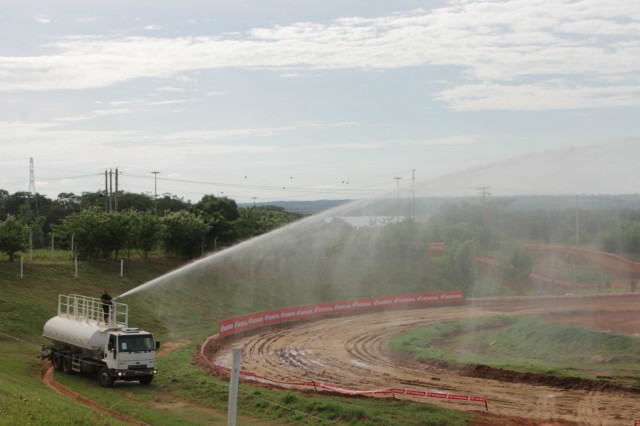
(130, 355)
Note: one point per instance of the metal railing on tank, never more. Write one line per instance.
(90, 309)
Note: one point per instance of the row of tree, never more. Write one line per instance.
(94, 229)
(187, 230)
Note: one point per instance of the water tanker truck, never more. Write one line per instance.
(85, 339)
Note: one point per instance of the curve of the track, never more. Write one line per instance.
(352, 353)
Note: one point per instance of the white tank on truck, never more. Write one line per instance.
(87, 339)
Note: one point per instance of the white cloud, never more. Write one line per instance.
(195, 137)
(171, 102)
(86, 19)
(512, 43)
(25, 136)
(447, 141)
(392, 144)
(118, 107)
(95, 114)
(169, 89)
(545, 95)
(185, 79)
(70, 147)
(215, 93)
(135, 101)
(42, 19)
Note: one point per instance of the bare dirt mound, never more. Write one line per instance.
(539, 379)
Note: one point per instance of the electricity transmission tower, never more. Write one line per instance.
(32, 185)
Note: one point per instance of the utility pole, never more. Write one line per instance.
(577, 223)
(397, 178)
(484, 191)
(155, 192)
(413, 195)
(254, 201)
(106, 191)
(110, 189)
(116, 194)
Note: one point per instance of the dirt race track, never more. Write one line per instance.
(352, 353)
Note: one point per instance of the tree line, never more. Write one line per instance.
(94, 227)
(390, 253)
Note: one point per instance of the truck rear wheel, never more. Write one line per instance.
(105, 379)
(56, 361)
(66, 365)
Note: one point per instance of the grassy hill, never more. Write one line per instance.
(25, 305)
(27, 302)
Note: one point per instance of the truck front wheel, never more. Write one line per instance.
(106, 381)
(146, 380)
(66, 365)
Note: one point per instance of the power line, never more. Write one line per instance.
(339, 190)
(58, 179)
(250, 186)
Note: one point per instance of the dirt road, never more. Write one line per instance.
(352, 353)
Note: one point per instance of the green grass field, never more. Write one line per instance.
(182, 393)
(526, 344)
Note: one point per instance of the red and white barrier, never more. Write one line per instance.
(243, 323)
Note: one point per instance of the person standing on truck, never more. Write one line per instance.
(106, 305)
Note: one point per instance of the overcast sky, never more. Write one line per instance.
(304, 99)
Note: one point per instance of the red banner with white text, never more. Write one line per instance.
(276, 316)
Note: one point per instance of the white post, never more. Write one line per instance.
(121, 267)
(233, 387)
(53, 253)
(75, 261)
(21, 267)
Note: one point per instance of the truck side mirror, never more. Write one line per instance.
(157, 344)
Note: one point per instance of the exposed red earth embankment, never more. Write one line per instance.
(46, 375)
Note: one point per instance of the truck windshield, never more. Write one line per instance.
(142, 342)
